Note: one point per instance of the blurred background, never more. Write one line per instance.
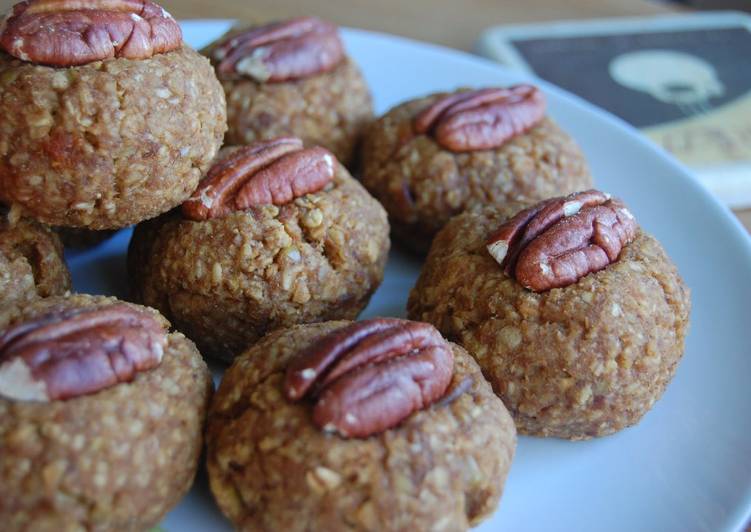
(450, 22)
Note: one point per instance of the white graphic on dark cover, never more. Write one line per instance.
(672, 77)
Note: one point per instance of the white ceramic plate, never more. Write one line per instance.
(687, 465)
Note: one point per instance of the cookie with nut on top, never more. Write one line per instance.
(108, 117)
(431, 158)
(373, 425)
(275, 235)
(292, 78)
(576, 315)
(101, 415)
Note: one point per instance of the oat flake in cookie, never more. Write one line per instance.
(374, 425)
(108, 117)
(575, 314)
(429, 159)
(275, 235)
(101, 416)
(292, 78)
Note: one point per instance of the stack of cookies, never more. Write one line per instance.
(108, 119)
(542, 307)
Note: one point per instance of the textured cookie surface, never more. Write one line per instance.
(329, 110)
(581, 361)
(31, 263)
(110, 143)
(225, 282)
(270, 468)
(115, 460)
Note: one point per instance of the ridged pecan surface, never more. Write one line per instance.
(282, 51)
(73, 352)
(265, 173)
(558, 241)
(482, 119)
(65, 33)
(369, 376)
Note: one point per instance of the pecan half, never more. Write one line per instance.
(481, 119)
(267, 172)
(282, 51)
(73, 352)
(66, 33)
(369, 376)
(558, 241)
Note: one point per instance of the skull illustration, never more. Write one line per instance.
(671, 77)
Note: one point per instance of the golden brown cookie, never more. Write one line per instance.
(584, 359)
(96, 137)
(274, 463)
(106, 433)
(236, 271)
(429, 159)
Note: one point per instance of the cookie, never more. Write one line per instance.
(276, 235)
(580, 327)
(410, 437)
(98, 132)
(104, 432)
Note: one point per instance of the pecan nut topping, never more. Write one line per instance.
(558, 241)
(282, 51)
(73, 352)
(481, 119)
(65, 33)
(369, 376)
(266, 172)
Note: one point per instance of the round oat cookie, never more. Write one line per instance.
(227, 281)
(576, 362)
(329, 108)
(31, 262)
(110, 143)
(114, 460)
(422, 184)
(270, 468)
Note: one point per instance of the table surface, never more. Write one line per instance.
(448, 22)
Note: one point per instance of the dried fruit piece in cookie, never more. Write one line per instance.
(66, 33)
(369, 376)
(267, 172)
(77, 351)
(282, 51)
(482, 119)
(558, 241)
